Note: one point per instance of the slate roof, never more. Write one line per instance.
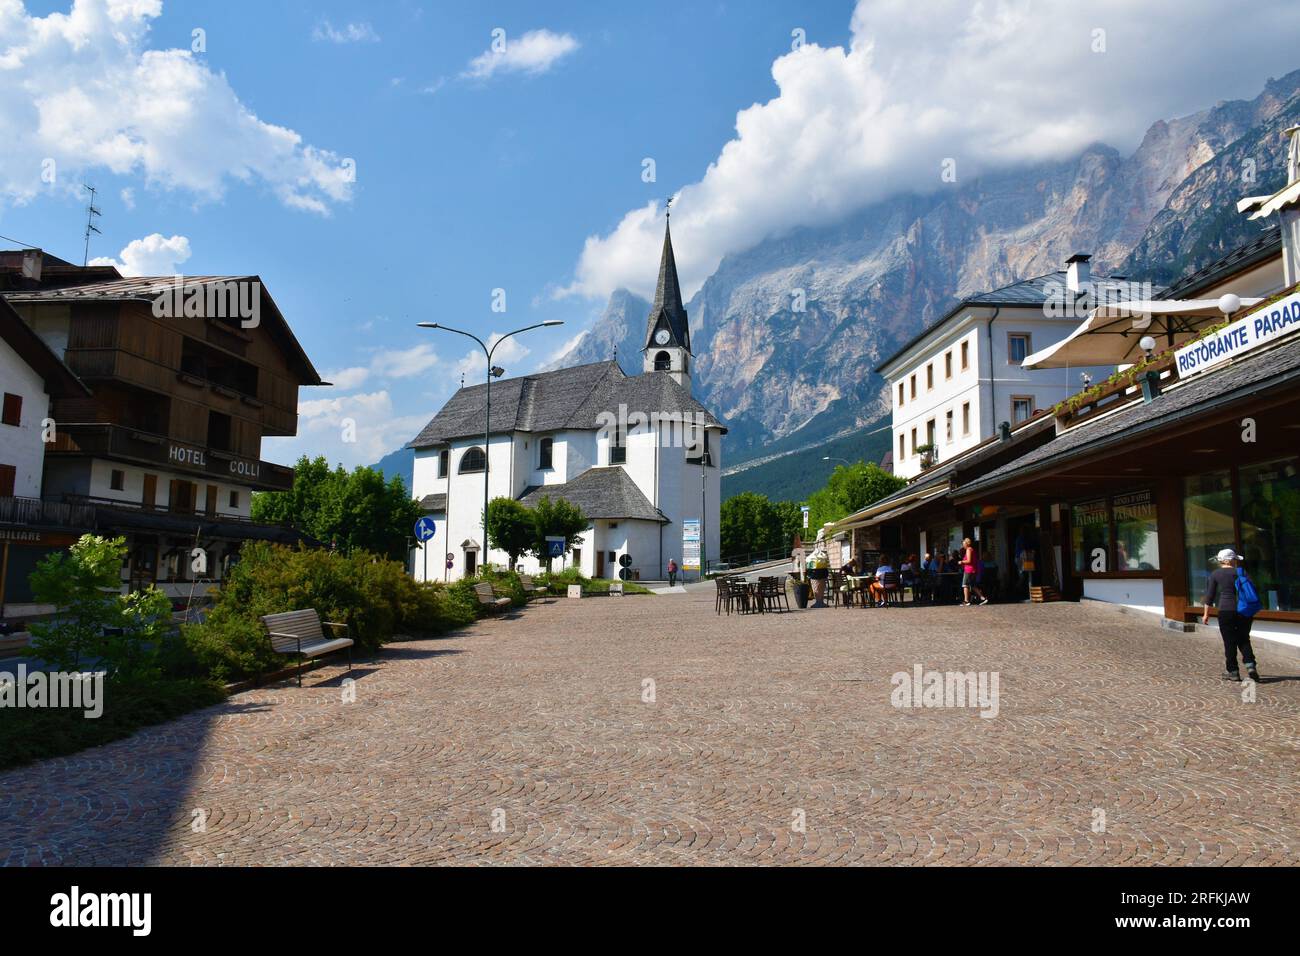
(605, 492)
(1264, 246)
(146, 288)
(667, 310)
(1028, 293)
(1263, 371)
(434, 504)
(571, 397)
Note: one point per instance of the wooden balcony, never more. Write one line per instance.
(47, 514)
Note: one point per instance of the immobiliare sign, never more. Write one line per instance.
(1258, 328)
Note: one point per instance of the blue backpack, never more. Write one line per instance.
(1248, 604)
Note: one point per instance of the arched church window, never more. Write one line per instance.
(473, 460)
(663, 362)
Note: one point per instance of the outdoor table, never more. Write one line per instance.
(859, 582)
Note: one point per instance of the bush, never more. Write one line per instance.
(371, 594)
(559, 580)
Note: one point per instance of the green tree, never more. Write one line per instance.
(510, 528)
(559, 519)
(791, 517)
(355, 510)
(748, 523)
(94, 622)
(850, 488)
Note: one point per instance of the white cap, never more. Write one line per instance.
(1227, 554)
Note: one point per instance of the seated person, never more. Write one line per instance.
(877, 586)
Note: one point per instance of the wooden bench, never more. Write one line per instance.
(299, 633)
(531, 588)
(488, 598)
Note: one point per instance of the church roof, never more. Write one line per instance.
(567, 398)
(667, 310)
(604, 492)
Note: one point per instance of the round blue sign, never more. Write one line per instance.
(425, 529)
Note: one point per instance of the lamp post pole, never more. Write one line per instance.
(487, 417)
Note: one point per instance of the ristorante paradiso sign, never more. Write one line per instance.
(1267, 324)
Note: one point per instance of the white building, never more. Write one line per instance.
(637, 454)
(955, 383)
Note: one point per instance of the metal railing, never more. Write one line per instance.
(36, 511)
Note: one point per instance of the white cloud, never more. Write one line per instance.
(128, 198)
(534, 52)
(361, 32)
(325, 426)
(986, 83)
(154, 255)
(347, 378)
(83, 90)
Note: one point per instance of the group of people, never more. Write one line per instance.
(966, 561)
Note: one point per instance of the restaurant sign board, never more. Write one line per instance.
(1259, 328)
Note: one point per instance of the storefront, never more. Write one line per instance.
(1143, 493)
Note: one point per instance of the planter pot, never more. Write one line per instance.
(801, 592)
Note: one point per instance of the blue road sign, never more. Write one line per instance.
(554, 547)
(425, 529)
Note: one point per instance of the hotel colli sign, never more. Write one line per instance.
(1259, 328)
(198, 458)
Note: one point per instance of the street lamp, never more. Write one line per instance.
(492, 372)
(829, 458)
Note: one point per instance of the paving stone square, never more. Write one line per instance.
(651, 731)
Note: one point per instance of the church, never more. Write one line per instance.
(637, 454)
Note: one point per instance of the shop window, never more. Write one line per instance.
(1137, 546)
(473, 460)
(1208, 527)
(1270, 531)
(1090, 537)
(13, 409)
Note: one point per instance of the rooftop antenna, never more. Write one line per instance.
(91, 212)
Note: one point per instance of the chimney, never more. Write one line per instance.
(1077, 272)
(32, 260)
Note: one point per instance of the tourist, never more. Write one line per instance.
(877, 586)
(1234, 627)
(672, 572)
(970, 568)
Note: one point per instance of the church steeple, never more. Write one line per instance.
(668, 332)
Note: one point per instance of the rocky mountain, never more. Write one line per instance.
(787, 333)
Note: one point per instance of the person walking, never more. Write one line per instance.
(1234, 626)
(672, 572)
(970, 568)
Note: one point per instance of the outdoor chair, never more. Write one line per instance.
(738, 596)
(771, 595)
(835, 583)
(892, 582)
(723, 597)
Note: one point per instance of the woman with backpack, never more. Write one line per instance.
(1234, 595)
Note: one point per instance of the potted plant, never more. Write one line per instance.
(801, 588)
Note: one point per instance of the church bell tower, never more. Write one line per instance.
(668, 333)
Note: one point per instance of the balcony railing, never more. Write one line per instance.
(35, 511)
(91, 502)
(132, 444)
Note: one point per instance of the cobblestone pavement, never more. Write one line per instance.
(768, 739)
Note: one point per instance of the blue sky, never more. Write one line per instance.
(528, 176)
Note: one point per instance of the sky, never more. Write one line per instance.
(494, 165)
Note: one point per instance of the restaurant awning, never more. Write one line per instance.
(891, 508)
(1111, 333)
